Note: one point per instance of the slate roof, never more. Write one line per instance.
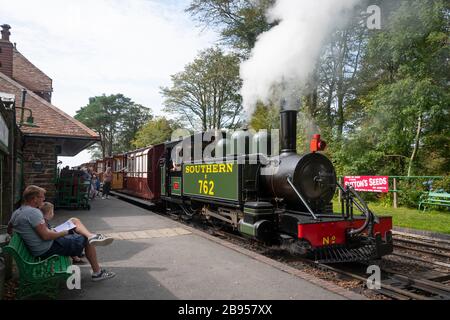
(50, 120)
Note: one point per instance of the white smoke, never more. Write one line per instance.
(283, 58)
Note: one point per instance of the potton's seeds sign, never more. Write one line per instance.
(368, 183)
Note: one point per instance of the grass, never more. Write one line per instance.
(430, 220)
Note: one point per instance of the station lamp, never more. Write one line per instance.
(30, 119)
(8, 102)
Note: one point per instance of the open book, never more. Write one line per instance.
(68, 225)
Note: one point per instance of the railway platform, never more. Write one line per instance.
(157, 258)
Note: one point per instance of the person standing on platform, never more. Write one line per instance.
(107, 181)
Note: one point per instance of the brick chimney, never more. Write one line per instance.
(6, 52)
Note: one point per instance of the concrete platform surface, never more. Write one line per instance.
(157, 258)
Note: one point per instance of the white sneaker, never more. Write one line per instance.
(104, 274)
(100, 240)
(103, 198)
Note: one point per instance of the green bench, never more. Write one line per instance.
(435, 199)
(37, 276)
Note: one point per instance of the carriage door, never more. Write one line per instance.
(150, 176)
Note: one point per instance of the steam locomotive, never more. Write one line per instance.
(283, 199)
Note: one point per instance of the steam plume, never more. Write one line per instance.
(284, 57)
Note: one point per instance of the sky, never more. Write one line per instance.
(91, 48)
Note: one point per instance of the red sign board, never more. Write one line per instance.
(176, 186)
(368, 183)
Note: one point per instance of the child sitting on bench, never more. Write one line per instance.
(48, 212)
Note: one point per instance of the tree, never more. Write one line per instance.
(239, 21)
(115, 118)
(405, 95)
(206, 94)
(133, 120)
(265, 117)
(154, 132)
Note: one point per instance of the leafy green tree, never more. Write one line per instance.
(206, 94)
(238, 21)
(154, 132)
(405, 127)
(115, 118)
(265, 117)
(133, 121)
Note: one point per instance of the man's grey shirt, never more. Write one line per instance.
(24, 221)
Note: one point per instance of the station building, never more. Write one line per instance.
(33, 132)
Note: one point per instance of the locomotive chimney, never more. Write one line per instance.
(288, 134)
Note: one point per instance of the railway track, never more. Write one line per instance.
(429, 251)
(428, 248)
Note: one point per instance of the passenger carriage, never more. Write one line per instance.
(142, 174)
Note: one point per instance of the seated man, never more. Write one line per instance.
(28, 221)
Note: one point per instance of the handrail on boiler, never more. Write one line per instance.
(289, 180)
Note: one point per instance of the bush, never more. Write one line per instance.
(410, 192)
(442, 184)
(386, 199)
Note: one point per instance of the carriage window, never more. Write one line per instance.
(144, 166)
(144, 169)
(138, 169)
(130, 163)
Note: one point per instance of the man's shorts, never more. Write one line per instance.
(71, 245)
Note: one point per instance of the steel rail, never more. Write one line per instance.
(423, 244)
(437, 263)
(444, 255)
(421, 237)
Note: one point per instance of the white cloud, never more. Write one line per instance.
(105, 46)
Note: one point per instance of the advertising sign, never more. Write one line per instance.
(368, 183)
